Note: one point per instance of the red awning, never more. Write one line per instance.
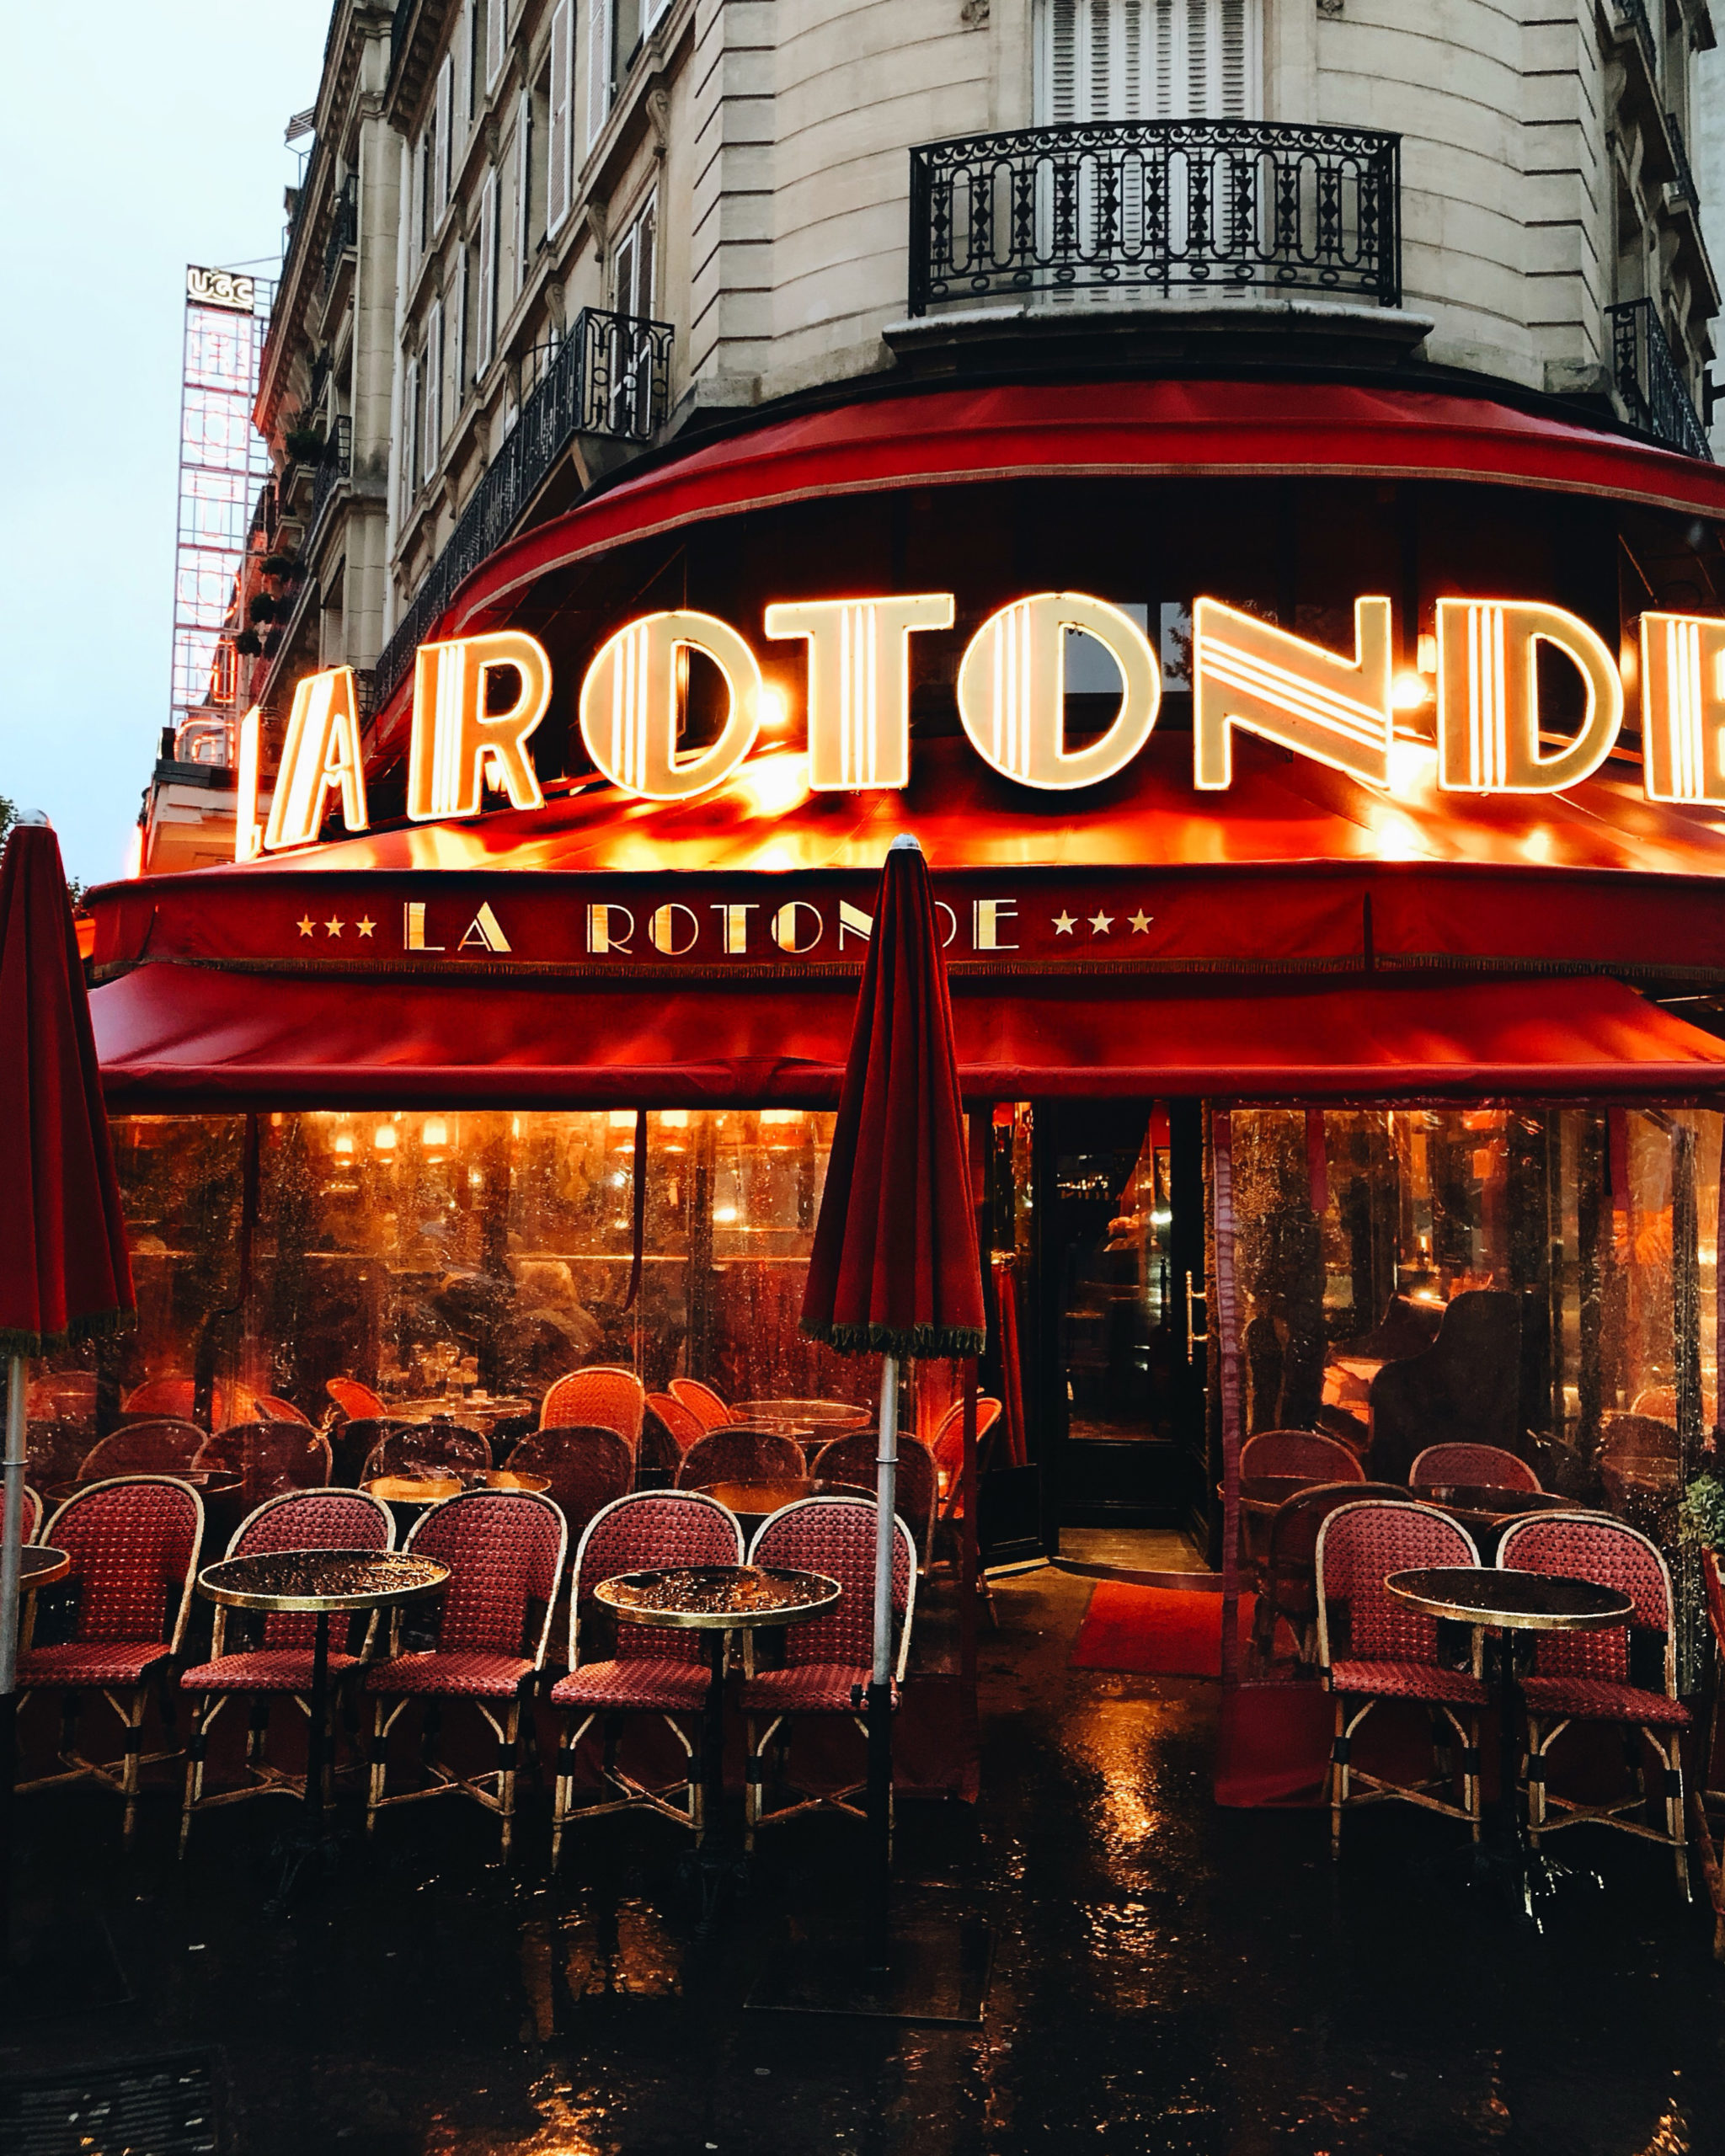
(174, 1036)
(1128, 429)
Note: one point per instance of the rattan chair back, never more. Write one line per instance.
(505, 1551)
(684, 1426)
(737, 1454)
(853, 1459)
(588, 1468)
(355, 1399)
(1589, 1546)
(703, 1402)
(835, 1536)
(268, 1458)
(310, 1519)
(142, 1448)
(949, 1446)
(1358, 1546)
(1289, 1453)
(602, 1395)
(424, 1449)
(638, 1534)
(268, 1407)
(134, 1544)
(1486, 1467)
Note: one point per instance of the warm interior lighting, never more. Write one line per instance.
(622, 1118)
(384, 1138)
(1407, 693)
(675, 1118)
(724, 1214)
(1425, 658)
(781, 1115)
(344, 1142)
(435, 1132)
(775, 712)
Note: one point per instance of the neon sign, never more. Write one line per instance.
(1247, 675)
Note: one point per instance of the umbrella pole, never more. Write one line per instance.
(11, 1564)
(878, 1866)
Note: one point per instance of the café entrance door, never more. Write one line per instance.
(1121, 1258)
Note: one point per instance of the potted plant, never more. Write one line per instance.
(1704, 1518)
(282, 567)
(260, 607)
(249, 643)
(304, 445)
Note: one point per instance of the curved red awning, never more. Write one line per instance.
(1127, 429)
(178, 1036)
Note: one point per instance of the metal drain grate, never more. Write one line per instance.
(165, 2106)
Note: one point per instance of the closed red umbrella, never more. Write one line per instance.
(893, 1268)
(64, 1273)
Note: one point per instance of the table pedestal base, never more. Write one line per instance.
(936, 1972)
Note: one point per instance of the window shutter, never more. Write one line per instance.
(465, 70)
(1148, 60)
(487, 274)
(496, 13)
(598, 68)
(433, 386)
(416, 207)
(524, 185)
(441, 118)
(458, 366)
(557, 149)
(409, 438)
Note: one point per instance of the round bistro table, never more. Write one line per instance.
(432, 1488)
(820, 1418)
(40, 1566)
(320, 1583)
(714, 1599)
(1505, 1603)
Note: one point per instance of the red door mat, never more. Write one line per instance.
(1154, 1632)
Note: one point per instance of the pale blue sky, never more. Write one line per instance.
(137, 139)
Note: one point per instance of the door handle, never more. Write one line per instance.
(1194, 1339)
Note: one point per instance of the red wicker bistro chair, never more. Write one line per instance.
(164, 1396)
(1287, 1593)
(1591, 1676)
(651, 1670)
(948, 1449)
(602, 1394)
(703, 1402)
(827, 1661)
(683, 1425)
(142, 1448)
(424, 1449)
(268, 1458)
(1300, 1451)
(1391, 1650)
(1487, 1467)
(355, 1400)
(134, 1545)
(505, 1551)
(281, 1662)
(737, 1454)
(587, 1470)
(853, 1459)
(32, 1513)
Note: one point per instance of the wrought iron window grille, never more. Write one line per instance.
(1650, 381)
(335, 464)
(1143, 207)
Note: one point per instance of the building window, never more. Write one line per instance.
(634, 261)
(409, 440)
(441, 131)
(496, 25)
(1101, 60)
(524, 188)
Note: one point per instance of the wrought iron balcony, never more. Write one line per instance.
(336, 463)
(1126, 208)
(1650, 381)
(610, 375)
(1680, 158)
(343, 230)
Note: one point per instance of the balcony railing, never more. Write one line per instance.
(343, 230)
(1649, 380)
(610, 375)
(336, 464)
(1127, 208)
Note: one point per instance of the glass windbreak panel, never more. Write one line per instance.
(1542, 1283)
(1116, 1298)
(448, 1261)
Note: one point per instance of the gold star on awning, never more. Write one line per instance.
(307, 925)
(333, 926)
(1140, 923)
(1064, 924)
(1100, 923)
(364, 926)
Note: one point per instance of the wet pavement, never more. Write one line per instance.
(1167, 1976)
